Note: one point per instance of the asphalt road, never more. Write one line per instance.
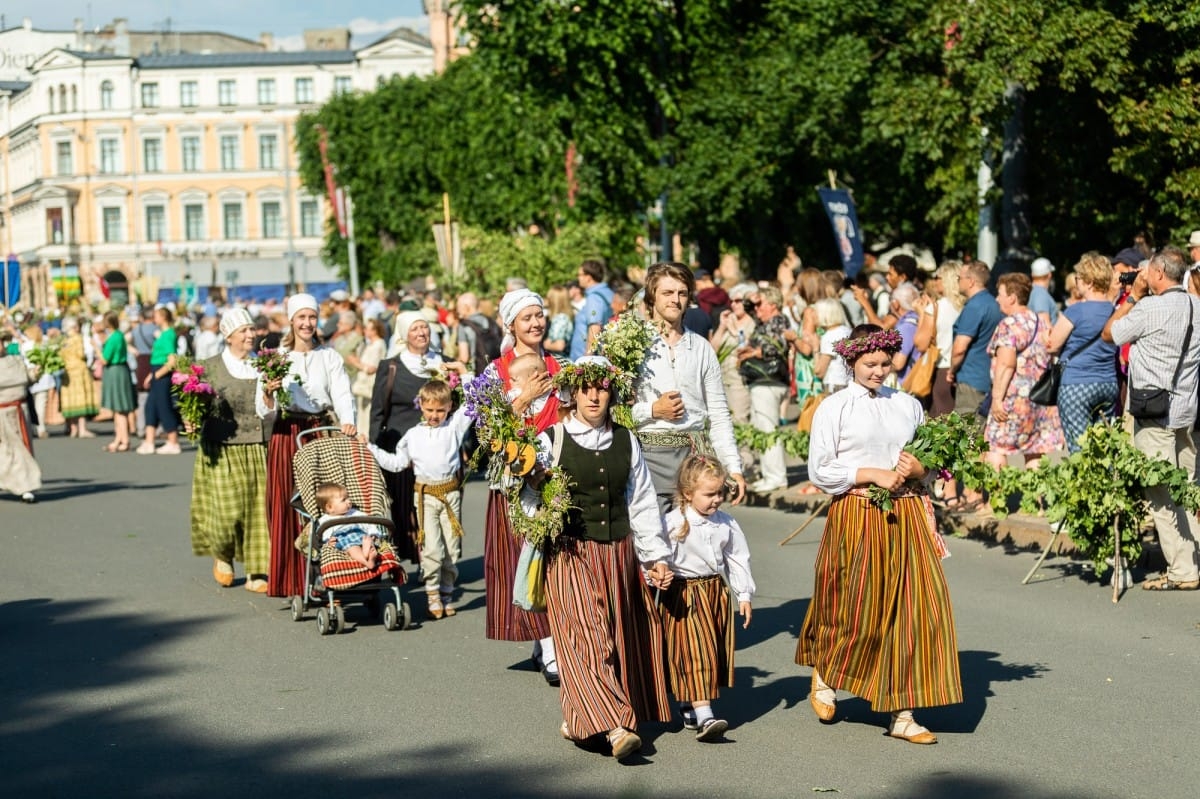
(127, 672)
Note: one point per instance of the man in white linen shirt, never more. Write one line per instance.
(680, 397)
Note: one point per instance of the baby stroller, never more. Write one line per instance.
(331, 577)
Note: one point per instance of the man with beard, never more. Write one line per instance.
(680, 402)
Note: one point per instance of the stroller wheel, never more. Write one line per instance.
(391, 615)
(405, 616)
(297, 608)
(339, 619)
(325, 623)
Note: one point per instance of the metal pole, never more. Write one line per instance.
(287, 204)
(353, 252)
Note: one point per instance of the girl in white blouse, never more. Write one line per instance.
(710, 558)
(880, 624)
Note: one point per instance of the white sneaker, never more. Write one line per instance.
(168, 449)
(28, 498)
(763, 487)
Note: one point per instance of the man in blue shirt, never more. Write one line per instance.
(597, 307)
(1040, 300)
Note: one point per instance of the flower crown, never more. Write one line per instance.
(575, 376)
(852, 349)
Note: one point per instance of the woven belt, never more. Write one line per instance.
(438, 491)
(674, 440)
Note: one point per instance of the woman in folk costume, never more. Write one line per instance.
(524, 318)
(320, 395)
(19, 472)
(880, 624)
(77, 397)
(601, 611)
(229, 484)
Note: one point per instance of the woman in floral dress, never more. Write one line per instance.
(1015, 424)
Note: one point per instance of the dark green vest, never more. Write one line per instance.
(234, 420)
(599, 511)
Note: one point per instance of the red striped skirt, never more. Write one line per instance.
(607, 637)
(880, 624)
(501, 549)
(697, 626)
(286, 577)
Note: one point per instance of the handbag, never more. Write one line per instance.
(387, 438)
(763, 370)
(1045, 390)
(529, 582)
(809, 409)
(1155, 403)
(919, 381)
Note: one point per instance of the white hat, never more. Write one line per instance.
(1041, 267)
(234, 319)
(512, 304)
(298, 302)
(338, 295)
(1194, 239)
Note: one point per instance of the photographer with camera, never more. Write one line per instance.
(1159, 319)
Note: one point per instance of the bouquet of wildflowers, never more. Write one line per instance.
(512, 441)
(274, 365)
(625, 340)
(947, 446)
(47, 358)
(193, 394)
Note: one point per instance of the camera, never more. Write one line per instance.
(749, 306)
(1127, 278)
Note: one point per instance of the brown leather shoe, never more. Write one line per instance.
(624, 743)
(222, 573)
(825, 712)
(909, 730)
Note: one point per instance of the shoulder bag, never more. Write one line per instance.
(1045, 390)
(1155, 403)
(387, 438)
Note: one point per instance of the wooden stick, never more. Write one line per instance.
(1055, 529)
(1118, 566)
(823, 506)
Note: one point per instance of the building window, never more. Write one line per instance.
(108, 156)
(304, 90)
(231, 215)
(266, 91)
(191, 153)
(156, 223)
(112, 225)
(149, 95)
(227, 92)
(193, 222)
(268, 151)
(54, 225)
(62, 99)
(74, 98)
(272, 220)
(343, 84)
(189, 94)
(230, 155)
(309, 225)
(106, 95)
(152, 155)
(64, 163)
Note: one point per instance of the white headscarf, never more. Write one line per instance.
(512, 304)
(235, 319)
(401, 324)
(298, 302)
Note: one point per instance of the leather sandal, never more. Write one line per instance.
(825, 711)
(907, 729)
(1165, 583)
(624, 743)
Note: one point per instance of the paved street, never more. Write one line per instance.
(127, 672)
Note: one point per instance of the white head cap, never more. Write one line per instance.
(234, 319)
(512, 304)
(298, 302)
(1041, 267)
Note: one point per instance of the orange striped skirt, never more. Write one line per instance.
(501, 550)
(607, 637)
(696, 617)
(880, 624)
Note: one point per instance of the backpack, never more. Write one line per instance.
(487, 343)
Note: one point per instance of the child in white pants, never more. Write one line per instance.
(432, 448)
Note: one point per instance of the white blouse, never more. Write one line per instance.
(645, 520)
(854, 429)
(241, 369)
(433, 452)
(323, 385)
(714, 545)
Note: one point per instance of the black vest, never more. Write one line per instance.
(599, 511)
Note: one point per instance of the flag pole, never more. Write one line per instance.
(353, 251)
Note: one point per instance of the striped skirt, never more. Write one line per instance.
(607, 637)
(339, 571)
(880, 624)
(501, 549)
(285, 576)
(697, 626)
(229, 505)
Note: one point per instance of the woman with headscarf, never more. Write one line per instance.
(229, 484)
(394, 412)
(77, 397)
(524, 318)
(19, 472)
(320, 395)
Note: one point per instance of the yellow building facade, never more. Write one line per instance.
(172, 171)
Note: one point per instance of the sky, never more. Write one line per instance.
(285, 19)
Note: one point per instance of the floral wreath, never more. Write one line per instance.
(889, 341)
(576, 376)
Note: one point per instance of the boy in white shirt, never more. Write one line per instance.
(432, 448)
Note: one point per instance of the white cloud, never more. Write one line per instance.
(362, 26)
(289, 42)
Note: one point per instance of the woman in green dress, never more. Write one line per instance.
(116, 386)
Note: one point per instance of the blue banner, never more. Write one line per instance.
(10, 283)
(840, 209)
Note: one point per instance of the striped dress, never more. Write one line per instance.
(880, 623)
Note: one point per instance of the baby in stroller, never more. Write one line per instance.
(357, 540)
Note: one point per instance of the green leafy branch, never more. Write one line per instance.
(795, 442)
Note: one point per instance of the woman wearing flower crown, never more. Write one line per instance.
(524, 318)
(880, 624)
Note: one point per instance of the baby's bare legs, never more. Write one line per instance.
(356, 552)
(369, 551)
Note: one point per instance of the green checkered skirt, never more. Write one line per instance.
(229, 505)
